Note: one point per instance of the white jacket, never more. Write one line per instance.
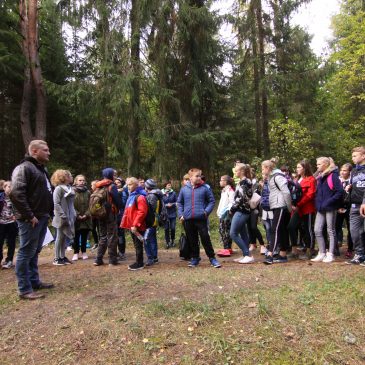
(226, 201)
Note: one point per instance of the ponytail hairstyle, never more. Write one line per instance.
(245, 168)
(270, 164)
(229, 181)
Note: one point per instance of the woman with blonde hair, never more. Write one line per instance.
(64, 213)
(329, 196)
(83, 223)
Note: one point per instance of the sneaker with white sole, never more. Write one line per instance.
(69, 248)
(330, 257)
(252, 247)
(75, 257)
(85, 256)
(319, 257)
(238, 259)
(247, 260)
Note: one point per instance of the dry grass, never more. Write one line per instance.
(169, 314)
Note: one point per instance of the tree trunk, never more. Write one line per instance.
(256, 77)
(36, 71)
(263, 85)
(25, 125)
(134, 120)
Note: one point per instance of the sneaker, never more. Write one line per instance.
(155, 260)
(98, 262)
(215, 263)
(238, 259)
(263, 250)
(75, 257)
(168, 245)
(319, 257)
(280, 259)
(7, 265)
(121, 257)
(194, 262)
(149, 262)
(330, 257)
(268, 260)
(69, 249)
(252, 247)
(362, 264)
(113, 263)
(247, 260)
(58, 262)
(136, 266)
(94, 247)
(357, 260)
(172, 244)
(66, 261)
(224, 252)
(85, 256)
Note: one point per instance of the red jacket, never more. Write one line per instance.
(133, 216)
(306, 205)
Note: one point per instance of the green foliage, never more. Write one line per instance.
(290, 141)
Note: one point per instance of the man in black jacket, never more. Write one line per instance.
(31, 196)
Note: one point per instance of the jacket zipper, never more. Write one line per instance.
(192, 203)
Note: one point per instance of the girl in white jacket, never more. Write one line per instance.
(225, 203)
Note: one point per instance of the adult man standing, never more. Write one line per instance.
(31, 196)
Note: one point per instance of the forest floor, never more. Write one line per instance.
(294, 313)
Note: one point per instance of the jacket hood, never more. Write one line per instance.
(329, 171)
(104, 182)
(108, 173)
(158, 192)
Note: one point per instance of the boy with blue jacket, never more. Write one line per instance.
(195, 203)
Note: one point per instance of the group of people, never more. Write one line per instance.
(295, 211)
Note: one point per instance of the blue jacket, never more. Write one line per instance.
(169, 197)
(195, 202)
(327, 199)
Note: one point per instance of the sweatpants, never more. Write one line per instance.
(195, 228)
(279, 230)
(328, 218)
(60, 244)
(357, 230)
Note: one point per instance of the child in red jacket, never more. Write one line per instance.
(134, 218)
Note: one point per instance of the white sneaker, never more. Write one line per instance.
(84, 256)
(263, 250)
(75, 257)
(238, 259)
(319, 257)
(252, 248)
(246, 260)
(69, 248)
(330, 257)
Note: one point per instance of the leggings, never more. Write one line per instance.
(328, 218)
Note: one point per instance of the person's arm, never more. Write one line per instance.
(362, 207)
(309, 195)
(337, 189)
(58, 211)
(210, 202)
(180, 204)
(18, 195)
(282, 184)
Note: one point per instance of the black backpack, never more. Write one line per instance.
(184, 247)
(152, 215)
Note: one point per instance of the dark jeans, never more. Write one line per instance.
(108, 239)
(279, 230)
(195, 228)
(170, 228)
(9, 232)
(30, 245)
(306, 223)
(253, 231)
(268, 227)
(80, 235)
(340, 218)
(239, 231)
(121, 241)
(138, 245)
(357, 230)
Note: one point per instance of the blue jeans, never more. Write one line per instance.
(267, 225)
(150, 243)
(238, 231)
(30, 246)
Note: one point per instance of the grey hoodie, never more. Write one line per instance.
(279, 198)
